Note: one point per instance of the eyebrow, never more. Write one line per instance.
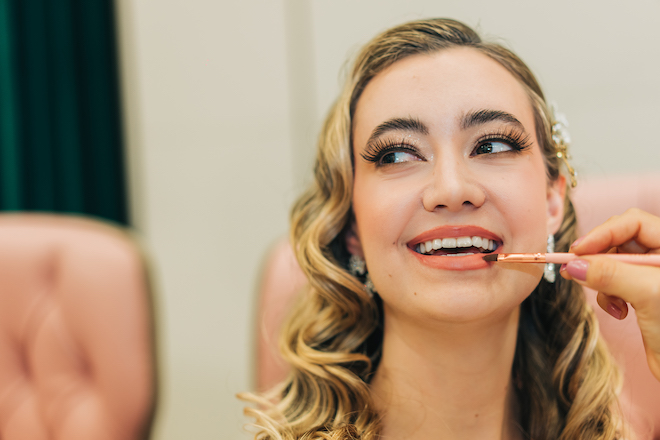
(399, 124)
(479, 117)
(470, 119)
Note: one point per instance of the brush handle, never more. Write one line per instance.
(641, 259)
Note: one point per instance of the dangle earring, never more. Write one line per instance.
(549, 271)
(358, 267)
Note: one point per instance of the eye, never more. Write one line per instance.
(389, 152)
(492, 147)
(397, 157)
(504, 140)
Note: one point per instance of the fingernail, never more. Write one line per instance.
(614, 311)
(562, 268)
(578, 269)
(576, 242)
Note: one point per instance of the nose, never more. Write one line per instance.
(453, 186)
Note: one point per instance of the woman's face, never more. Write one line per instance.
(445, 149)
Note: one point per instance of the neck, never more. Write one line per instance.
(447, 380)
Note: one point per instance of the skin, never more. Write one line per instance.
(450, 333)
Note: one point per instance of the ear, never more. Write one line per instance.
(353, 241)
(555, 203)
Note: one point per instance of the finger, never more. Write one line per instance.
(613, 305)
(632, 247)
(634, 224)
(566, 275)
(638, 285)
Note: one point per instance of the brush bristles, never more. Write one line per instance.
(490, 257)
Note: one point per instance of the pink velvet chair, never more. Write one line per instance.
(76, 331)
(596, 200)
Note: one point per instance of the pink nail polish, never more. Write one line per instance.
(576, 242)
(578, 269)
(614, 311)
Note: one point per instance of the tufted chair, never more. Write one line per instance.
(76, 335)
(595, 199)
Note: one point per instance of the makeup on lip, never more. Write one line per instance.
(453, 231)
(460, 252)
(565, 257)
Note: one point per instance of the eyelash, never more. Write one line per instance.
(375, 151)
(516, 139)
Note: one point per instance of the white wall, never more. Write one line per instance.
(207, 119)
(222, 104)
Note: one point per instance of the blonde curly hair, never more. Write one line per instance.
(566, 381)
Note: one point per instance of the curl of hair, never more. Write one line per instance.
(566, 380)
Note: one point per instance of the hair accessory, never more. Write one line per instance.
(562, 140)
(358, 267)
(549, 271)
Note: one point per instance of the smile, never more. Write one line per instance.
(464, 244)
(457, 247)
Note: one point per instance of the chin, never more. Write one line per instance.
(454, 301)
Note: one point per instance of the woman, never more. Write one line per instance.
(441, 148)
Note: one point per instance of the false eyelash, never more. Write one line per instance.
(375, 151)
(517, 139)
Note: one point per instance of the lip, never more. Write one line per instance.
(470, 262)
(453, 232)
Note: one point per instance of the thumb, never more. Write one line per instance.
(630, 282)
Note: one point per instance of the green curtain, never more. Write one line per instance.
(60, 129)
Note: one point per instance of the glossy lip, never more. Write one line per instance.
(470, 262)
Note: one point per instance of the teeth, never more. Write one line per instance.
(458, 242)
(463, 242)
(449, 243)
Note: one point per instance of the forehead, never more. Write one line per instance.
(440, 88)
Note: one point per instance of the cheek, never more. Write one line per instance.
(526, 204)
(382, 209)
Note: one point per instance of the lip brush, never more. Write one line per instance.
(565, 257)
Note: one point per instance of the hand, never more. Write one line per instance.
(617, 283)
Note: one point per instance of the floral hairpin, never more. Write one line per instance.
(562, 140)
